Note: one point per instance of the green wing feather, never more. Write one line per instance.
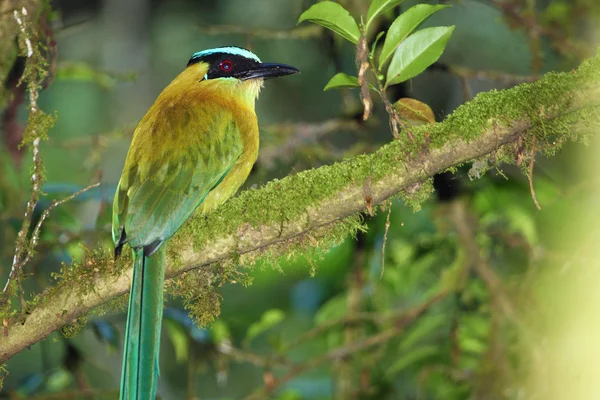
(158, 192)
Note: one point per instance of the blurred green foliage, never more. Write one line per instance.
(438, 315)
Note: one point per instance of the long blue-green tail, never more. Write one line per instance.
(142, 335)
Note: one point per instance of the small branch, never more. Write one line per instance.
(362, 60)
(395, 120)
(38, 228)
(78, 394)
(301, 32)
(534, 32)
(468, 73)
(385, 235)
(376, 318)
(299, 135)
(243, 356)
(531, 189)
(529, 22)
(466, 88)
(346, 384)
(463, 222)
(36, 178)
(317, 331)
(97, 140)
(347, 350)
(19, 17)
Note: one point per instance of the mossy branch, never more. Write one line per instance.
(9, 30)
(320, 207)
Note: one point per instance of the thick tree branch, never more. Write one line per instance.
(306, 208)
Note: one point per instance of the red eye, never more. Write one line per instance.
(226, 66)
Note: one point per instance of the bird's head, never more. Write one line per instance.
(237, 68)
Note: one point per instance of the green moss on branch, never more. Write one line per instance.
(318, 208)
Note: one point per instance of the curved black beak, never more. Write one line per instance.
(266, 71)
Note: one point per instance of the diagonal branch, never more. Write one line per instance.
(319, 207)
(348, 350)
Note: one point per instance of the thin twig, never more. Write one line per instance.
(394, 117)
(345, 385)
(362, 60)
(244, 356)
(302, 32)
(376, 318)
(385, 235)
(468, 73)
(77, 394)
(464, 81)
(36, 177)
(298, 135)
(463, 222)
(330, 324)
(38, 228)
(348, 350)
(534, 37)
(533, 196)
(529, 21)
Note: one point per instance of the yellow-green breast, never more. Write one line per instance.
(194, 148)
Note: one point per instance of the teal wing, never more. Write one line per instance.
(158, 192)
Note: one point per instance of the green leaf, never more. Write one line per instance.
(374, 45)
(423, 330)
(334, 308)
(179, 338)
(403, 26)
(290, 394)
(417, 355)
(333, 16)
(59, 380)
(268, 320)
(342, 80)
(378, 7)
(522, 222)
(220, 332)
(417, 52)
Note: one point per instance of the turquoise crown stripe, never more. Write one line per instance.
(238, 51)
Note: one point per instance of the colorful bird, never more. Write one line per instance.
(192, 150)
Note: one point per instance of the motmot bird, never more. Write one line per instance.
(192, 150)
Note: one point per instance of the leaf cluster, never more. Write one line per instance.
(406, 52)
